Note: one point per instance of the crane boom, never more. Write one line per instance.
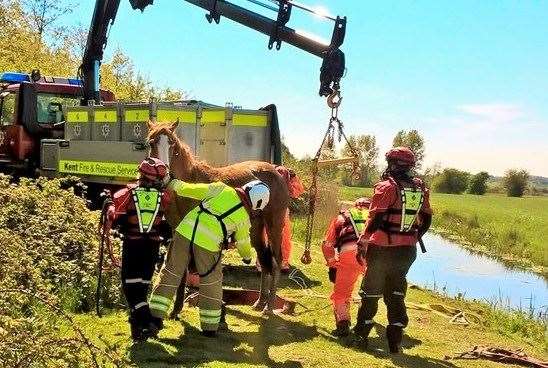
(333, 65)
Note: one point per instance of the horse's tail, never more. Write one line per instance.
(294, 184)
(264, 255)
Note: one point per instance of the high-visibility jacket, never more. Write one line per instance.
(220, 214)
(353, 226)
(402, 206)
(139, 211)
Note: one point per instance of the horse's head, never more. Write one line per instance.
(179, 158)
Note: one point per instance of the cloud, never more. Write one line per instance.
(494, 112)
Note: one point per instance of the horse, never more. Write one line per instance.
(184, 166)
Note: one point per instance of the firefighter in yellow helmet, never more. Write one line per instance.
(201, 237)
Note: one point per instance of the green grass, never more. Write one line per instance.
(514, 229)
(303, 340)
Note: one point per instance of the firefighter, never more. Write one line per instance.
(201, 237)
(340, 249)
(399, 215)
(138, 211)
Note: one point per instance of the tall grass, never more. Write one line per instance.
(515, 229)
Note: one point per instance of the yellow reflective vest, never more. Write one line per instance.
(220, 206)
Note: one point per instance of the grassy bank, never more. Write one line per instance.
(514, 229)
(304, 340)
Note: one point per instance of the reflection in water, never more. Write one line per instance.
(450, 268)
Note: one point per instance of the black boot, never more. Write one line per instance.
(342, 330)
(209, 333)
(394, 335)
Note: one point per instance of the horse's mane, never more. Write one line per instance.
(167, 129)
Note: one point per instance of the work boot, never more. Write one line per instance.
(342, 330)
(394, 335)
(207, 333)
(362, 330)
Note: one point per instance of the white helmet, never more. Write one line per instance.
(258, 194)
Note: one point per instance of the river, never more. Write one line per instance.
(449, 268)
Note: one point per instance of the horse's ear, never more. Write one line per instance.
(173, 126)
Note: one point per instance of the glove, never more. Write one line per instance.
(332, 274)
(247, 261)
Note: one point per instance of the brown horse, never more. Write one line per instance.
(184, 166)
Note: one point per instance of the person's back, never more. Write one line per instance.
(201, 236)
(399, 216)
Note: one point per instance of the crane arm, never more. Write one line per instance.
(333, 65)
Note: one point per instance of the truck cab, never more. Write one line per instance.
(31, 109)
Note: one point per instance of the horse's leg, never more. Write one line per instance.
(274, 225)
(257, 241)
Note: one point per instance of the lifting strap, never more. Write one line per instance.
(219, 218)
(335, 125)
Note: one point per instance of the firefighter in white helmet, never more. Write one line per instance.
(201, 237)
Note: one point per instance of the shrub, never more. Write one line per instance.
(48, 251)
(515, 182)
(478, 183)
(451, 181)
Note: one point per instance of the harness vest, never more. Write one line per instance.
(354, 224)
(211, 223)
(144, 215)
(401, 219)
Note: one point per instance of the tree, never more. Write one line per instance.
(44, 13)
(478, 183)
(515, 182)
(451, 181)
(367, 150)
(412, 140)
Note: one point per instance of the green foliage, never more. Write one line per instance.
(515, 182)
(451, 181)
(368, 152)
(478, 183)
(412, 140)
(48, 248)
(37, 41)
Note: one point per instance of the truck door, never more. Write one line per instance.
(7, 121)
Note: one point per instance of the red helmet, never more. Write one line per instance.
(153, 168)
(401, 156)
(363, 202)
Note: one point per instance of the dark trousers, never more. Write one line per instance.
(139, 257)
(385, 277)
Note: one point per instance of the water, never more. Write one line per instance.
(449, 268)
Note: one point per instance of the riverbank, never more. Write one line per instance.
(304, 340)
(514, 230)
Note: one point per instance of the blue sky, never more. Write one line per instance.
(471, 76)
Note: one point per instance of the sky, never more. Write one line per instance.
(471, 76)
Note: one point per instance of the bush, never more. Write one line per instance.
(478, 183)
(48, 252)
(515, 182)
(451, 181)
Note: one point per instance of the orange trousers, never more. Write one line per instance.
(348, 271)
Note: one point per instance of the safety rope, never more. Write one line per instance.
(335, 126)
(105, 240)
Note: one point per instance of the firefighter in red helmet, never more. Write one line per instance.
(138, 211)
(399, 215)
(340, 249)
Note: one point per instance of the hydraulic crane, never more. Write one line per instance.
(333, 65)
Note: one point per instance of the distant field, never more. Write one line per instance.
(513, 228)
